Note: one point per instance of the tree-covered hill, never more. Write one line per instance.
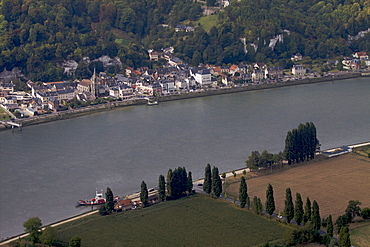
(274, 30)
(38, 35)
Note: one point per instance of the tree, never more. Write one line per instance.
(353, 208)
(32, 227)
(289, 207)
(330, 227)
(103, 210)
(307, 211)
(270, 201)
(109, 204)
(216, 182)
(207, 184)
(243, 194)
(189, 186)
(298, 212)
(49, 235)
(144, 194)
(257, 205)
(316, 219)
(344, 237)
(161, 188)
(168, 182)
(365, 213)
(253, 161)
(75, 241)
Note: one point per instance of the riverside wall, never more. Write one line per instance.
(73, 113)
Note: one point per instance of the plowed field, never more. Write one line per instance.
(331, 182)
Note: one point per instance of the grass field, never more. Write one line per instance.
(360, 234)
(364, 150)
(207, 22)
(331, 182)
(3, 115)
(194, 221)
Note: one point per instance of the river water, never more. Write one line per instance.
(46, 168)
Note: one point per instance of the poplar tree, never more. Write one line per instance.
(216, 182)
(315, 218)
(243, 193)
(161, 188)
(289, 207)
(189, 183)
(109, 204)
(307, 211)
(344, 237)
(330, 227)
(144, 194)
(168, 182)
(257, 205)
(298, 212)
(207, 184)
(270, 202)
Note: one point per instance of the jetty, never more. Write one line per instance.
(11, 124)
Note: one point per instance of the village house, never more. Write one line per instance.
(361, 55)
(203, 77)
(298, 70)
(257, 76)
(274, 72)
(123, 205)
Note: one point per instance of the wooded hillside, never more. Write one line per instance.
(38, 35)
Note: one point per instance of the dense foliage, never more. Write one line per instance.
(38, 35)
(301, 143)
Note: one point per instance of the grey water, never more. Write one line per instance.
(45, 169)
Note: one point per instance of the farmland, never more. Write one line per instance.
(331, 182)
(193, 221)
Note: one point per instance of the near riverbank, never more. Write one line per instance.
(73, 113)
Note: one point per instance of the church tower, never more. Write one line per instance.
(94, 85)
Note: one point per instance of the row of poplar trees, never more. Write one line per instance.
(212, 181)
(301, 143)
(179, 183)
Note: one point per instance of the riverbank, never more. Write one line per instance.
(202, 93)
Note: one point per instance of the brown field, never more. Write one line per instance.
(331, 182)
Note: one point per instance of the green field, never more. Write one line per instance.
(193, 221)
(4, 115)
(364, 150)
(360, 234)
(207, 22)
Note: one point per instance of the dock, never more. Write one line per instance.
(11, 124)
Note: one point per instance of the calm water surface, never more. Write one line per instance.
(46, 168)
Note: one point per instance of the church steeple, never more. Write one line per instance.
(94, 84)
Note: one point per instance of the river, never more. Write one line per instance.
(46, 168)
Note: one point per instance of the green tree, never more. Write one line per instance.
(307, 211)
(353, 208)
(298, 209)
(103, 210)
(316, 219)
(243, 192)
(207, 184)
(365, 213)
(330, 227)
(33, 228)
(344, 237)
(253, 161)
(289, 207)
(49, 235)
(257, 205)
(168, 182)
(270, 201)
(75, 241)
(161, 188)
(189, 186)
(216, 182)
(144, 194)
(109, 204)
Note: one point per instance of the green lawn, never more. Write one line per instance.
(193, 221)
(364, 150)
(360, 234)
(208, 22)
(3, 115)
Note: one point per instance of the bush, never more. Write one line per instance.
(365, 213)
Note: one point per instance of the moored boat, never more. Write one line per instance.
(97, 200)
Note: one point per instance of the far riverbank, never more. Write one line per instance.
(73, 113)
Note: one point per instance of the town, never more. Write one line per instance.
(175, 77)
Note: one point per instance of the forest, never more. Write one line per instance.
(38, 35)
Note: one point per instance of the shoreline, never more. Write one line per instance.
(88, 110)
(134, 195)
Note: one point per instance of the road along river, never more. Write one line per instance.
(46, 168)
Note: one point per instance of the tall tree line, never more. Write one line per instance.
(301, 143)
